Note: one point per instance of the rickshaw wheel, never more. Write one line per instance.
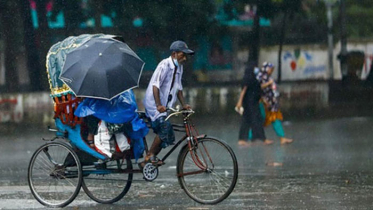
(108, 182)
(55, 174)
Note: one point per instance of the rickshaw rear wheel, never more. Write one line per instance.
(108, 182)
(54, 179)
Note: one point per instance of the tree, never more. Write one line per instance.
(359, 16)
(98, 7)
(73, 14)
(288, 8)
(32, 54)
(42, 41)
(171, 20)
(269, 9)
(266, 9)
(8, 9)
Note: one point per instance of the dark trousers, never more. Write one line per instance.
(251, 119)
(92, 124)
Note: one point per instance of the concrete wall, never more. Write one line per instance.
(38, 107)
(307, 62)
(299, 62)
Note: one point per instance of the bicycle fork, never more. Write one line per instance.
(195, 146)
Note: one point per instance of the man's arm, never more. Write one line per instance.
(181, 99)
(157, 100)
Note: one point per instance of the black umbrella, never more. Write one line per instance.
(101, 68)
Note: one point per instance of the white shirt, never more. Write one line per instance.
(162, 79)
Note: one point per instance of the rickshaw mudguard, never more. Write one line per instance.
(73, 134)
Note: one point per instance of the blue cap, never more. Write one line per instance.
(180, 46)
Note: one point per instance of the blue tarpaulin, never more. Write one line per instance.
(121, 109)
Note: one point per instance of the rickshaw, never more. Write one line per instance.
(206, 167)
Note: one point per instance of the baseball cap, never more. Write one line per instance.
(180, 46)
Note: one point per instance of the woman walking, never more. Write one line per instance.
(249, 101)
(273, 114)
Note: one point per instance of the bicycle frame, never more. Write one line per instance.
(192, 136)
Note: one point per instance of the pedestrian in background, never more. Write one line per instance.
(270, 100)
(249, 101)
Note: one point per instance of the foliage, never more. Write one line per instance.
(72, 12)
(359, 17)
(172, 20)
(162, 20)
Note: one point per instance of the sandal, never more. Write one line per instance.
(153, 160)
(156, 161)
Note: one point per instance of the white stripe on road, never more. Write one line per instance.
(34, 204)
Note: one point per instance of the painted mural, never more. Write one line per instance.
(11, 109)
(304, 64)
(367, 66)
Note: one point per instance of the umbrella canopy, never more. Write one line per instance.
(101, 68)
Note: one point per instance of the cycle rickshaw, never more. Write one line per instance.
(206, 167)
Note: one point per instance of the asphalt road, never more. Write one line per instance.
(328, 166)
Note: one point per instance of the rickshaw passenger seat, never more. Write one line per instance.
(64, 108)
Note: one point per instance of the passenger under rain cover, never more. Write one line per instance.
(120, 110)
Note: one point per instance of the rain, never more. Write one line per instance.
(321, 53)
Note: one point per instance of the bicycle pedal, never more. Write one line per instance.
(155, 164)
(158, 164)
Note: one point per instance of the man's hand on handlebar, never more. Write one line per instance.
(161, 108)
(187, 107)
(186, 111)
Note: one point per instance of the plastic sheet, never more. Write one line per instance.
(121, 109)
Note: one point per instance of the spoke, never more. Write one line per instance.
(46, 163)
(48, 156)
(42, 168)
(68, 181)
(214, 191)
(224, 179)
(218, 185)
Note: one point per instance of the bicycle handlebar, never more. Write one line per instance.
(178, 111)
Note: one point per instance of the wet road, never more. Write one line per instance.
(329, 166)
